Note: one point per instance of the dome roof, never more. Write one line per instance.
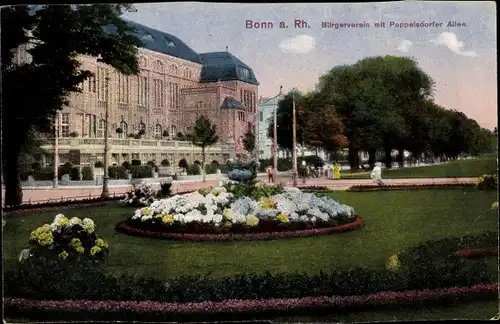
(224, 66)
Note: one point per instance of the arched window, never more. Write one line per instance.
(124, 127)
(173, 69)
(158, 132)
(100, 128)
(159, 66)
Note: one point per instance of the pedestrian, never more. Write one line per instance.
(270, 174)
(376, 174)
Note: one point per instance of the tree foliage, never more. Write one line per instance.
(204, 135)
(249, 140)
(53, 36)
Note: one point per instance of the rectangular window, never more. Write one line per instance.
(261, 116)
(159, 96)
(142, 91)
(241, 116)
(123, 88)
(245, 73)
(177, 99)
(102, 84)
(64, 125)
(91, 84)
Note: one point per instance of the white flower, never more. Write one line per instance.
(54, 227)
(146, 218)
(75, 221)
(88, 225)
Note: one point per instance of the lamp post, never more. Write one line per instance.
(55, 153)
(294, 143)
(105, 178)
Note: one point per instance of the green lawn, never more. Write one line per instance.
(455, 169)
(393, 221)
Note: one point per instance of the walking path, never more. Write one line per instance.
(38, 195)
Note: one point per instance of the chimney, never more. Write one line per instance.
(281, 89)
(227, 49)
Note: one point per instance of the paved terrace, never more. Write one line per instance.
(44, 194)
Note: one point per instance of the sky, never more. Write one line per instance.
(460, 56)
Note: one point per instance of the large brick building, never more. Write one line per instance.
(174, 87)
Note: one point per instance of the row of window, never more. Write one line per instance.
(249, 100)
(98, 85)
(173, 69)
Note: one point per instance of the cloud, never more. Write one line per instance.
(298, 45)
(404, 46)
(451, 41)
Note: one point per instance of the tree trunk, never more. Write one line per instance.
(13, 190)
(401, 158)
(353, 158)
(371, 158)
(204, 176)
(388, 158)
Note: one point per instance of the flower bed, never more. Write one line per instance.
(477, 253)
(218, 214)
(412, 186)
(128, 308)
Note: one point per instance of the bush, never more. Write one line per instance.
(165, 163)
(140, 195)
(193, 169)
(211, 168)
(126, 165)
(183, 163)
(87, 173)
(141, 171)
(117, 172)
(488, 182)
(43, 174)
(136, 162)
(74, 174)
(283, 164)
(197, 162)
(99, 164)
(165, 190)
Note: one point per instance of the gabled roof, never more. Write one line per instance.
(224, 66)
(231, 103)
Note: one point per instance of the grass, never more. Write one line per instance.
(393, 221)
(455, 169)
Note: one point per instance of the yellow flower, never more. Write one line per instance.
(282, 218)
(95, 250)
(266, 203)
(393, 262)
(167, 219)
(494, 205)
(75, 242)
(159, 216)
(63, 254)
(204, 191)
(147, 211)
(42, 236)
(227, 215)
(80, 249)
(101, 243)
(252, 220)
(227, 224)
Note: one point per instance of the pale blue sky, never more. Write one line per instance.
(465, 72)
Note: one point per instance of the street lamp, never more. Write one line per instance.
(275, 142)
(105, 178)
(304, 170)
(55, 153)
(294, 143)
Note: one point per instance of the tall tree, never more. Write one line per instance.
(33, 91)
(204, 135)
(249, 140)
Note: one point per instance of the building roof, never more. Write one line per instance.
(272, 101)
(231, 103)
(162, 42)
(224, 66)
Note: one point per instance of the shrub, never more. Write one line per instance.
(141, 171)
(65, 169)
(165, 163)
(211, 168)
(126, 165)
(183, 163)
(165, 190)
(116, 172)
(74, 174)
(140, 195)
(71, 239)
(99, 164)
(87, 173)
(43, 174)
(193, 169)
(197, 162)
(488, 182)
(36, 165)
(165, 133)
(136, 162)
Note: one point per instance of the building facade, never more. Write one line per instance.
(267, 106)
(150, 111)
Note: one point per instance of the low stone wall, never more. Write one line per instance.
(90, 183)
